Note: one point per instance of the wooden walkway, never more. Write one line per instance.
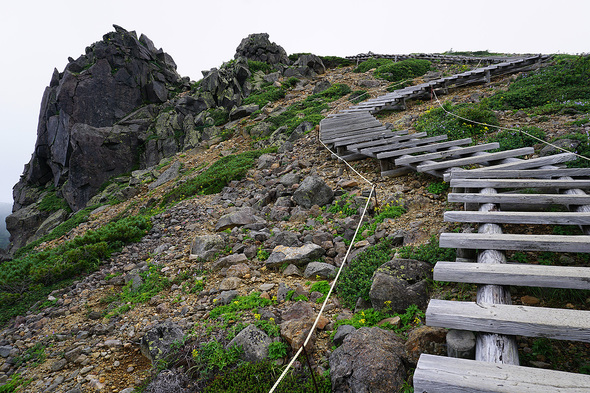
(356, 134)
(502, 189)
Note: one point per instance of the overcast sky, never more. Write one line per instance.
(37, 36)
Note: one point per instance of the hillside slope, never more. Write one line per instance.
(229, 228)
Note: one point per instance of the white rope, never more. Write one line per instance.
(327, 297)
(508, 129)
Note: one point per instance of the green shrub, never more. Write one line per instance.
(290, 83)
(355, 280)
(344, 206)
(429, 252)
(358, 96)
(241, 303)
(412, 317)
(402, 70)
(52, 203)
(568, 78)
(28, 278)
(13, 383)
(323, 287)
(334, 92)
(509, 139)
(277, 350)
(336, 62)
(387, 211)
(260, 378)
(217, 176)
(437, 188)
(438, 122)
(371, 63)
(255, 66)
(262, 97)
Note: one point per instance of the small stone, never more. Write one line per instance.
(529, 300)
(59, 365)
(267, 287)
(130, 369)
(86, 370)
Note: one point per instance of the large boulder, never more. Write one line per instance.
(206, 246)
(237, 218)
(258, 47)
(254, 342)
(369, 360)
(294, 255)
(400, 283)
(296, 324)
(157, 343)
(313, 191)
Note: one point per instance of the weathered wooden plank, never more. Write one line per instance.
(356, 134)
(557, 243)
(438, 374)
(447, 153)
(458, 173)
(373, 151)
(476, 159)
(519, 183)
(518, 274)
(364, 137)
(557, 199)
(384, 140)
(395, 139)
(532, 163)
(499, 217)
(556, 323)
(426, 148)
(352, 128)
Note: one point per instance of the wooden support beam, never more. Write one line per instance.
(487, 157)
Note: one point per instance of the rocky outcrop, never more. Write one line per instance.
(258, 47)
(399, 283)
(369, 360)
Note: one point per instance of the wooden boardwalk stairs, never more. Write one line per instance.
(502, 190)
(355, 133)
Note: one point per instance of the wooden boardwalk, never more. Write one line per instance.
(356, 134)
(502, 189)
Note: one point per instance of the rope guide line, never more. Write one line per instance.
(506, 128)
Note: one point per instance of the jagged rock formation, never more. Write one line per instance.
(258, 47)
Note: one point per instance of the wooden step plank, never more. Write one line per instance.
(457, 173)
(519, 183)
(356, 134)
(354, 137)
(352, 127)
(426, 148)
(480, 241)
(384, 140)
(390, 137)
(438, 374)
(557, 199)
(352, 132)
(532, 163)
(517, 274)
(447, 153)
(476, 159)
(397, 146)
(556, 323)
(501, 217)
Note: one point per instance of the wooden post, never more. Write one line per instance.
(496, 348)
